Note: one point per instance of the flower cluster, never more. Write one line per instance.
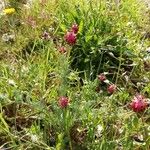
(9, 11)
(71, 36)
(138, 103)
(111, 88)
(63, 102)
(102, 77)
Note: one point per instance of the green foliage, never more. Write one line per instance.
(106, 33)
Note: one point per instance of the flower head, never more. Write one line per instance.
(63, 102)
(75, 28)
(70, 38)
(102, 77)
(111, 88)
(9, 11)
(138, 103)
(99, 130)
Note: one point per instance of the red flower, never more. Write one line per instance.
(111, 88)
(63, 102)
(75, 28)
(70, 38)
(102, 77)
(138, 103)
(62, 49)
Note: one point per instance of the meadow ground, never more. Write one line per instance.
(74, 75)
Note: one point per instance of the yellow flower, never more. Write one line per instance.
(9, 11)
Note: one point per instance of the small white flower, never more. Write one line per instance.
(120, 130)
(11, 82)
(3, 96)
(106, 81)
(51, 29)
(148, 49)
(24, 69)
(34, 138)
(126, 78)
(8, 37)
(149, 133)
(129, 23)
(148, 128)
(99, 130)
(138, 143)
(146, 79)
(146, 58)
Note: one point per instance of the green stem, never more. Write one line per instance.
(100, 62)
(119, 67)
(66, 126)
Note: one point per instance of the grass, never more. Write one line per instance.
(35, 74)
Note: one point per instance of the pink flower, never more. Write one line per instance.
(63, 102)
(102, 77)
(75, 28)
(111, 88)
(138, 103)
(70, 38)
(62, 49)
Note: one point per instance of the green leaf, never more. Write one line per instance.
(4, 122)
(88, 38)
(60, 141)
(81, 26)
(63, 27)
